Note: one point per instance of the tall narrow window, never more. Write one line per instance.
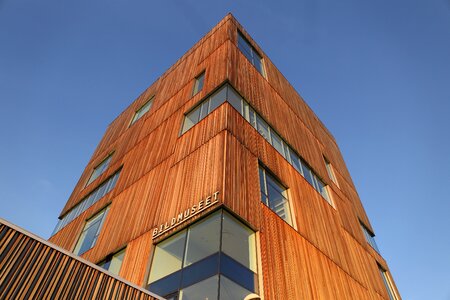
(198, 85)
(273, 194)
(387, 283)
(142, 110)
(330, 171)
(90, 232)
(249, 51)
(370, 237)
(216, 251)
(99, 169)
(112, 263)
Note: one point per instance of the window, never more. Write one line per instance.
(204, 108)
(370, 237)
(273, 194)
(198, 85)
(218, 250)
(99, 169)
(330, 171)
(249, 51)
(90, 232)
(112, 263)
(142, 111)
(387, 283)
(88, 201)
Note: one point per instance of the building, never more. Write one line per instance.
(219, 182)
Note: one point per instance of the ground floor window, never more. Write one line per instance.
(214, 258)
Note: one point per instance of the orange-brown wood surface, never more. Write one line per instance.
(323, 256)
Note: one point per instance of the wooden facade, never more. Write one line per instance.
(324, 255)
(31, 268)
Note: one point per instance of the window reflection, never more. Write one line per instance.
(191, 261)
(169, 254)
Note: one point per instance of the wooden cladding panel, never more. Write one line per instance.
(295, 269)
(31, 269)
(241, 191)
(137, 258)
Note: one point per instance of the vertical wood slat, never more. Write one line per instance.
(33, 269)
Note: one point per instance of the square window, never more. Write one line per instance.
(142, 111)
(198, 85)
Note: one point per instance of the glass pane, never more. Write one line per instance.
(277, 143)
(166, 285)
(295, 161)
(323, 190)
(280, 206)
(307, 174)
(218, 98)
(200, 270)
(238, 242)
(204, 109)
(198, 86)
(191, 119)
(168, 256)
(204, 290)
(203, 239)
(116, 262)
(234, 99)
(263, 128)
(274, 186)
(257, 62)
(105, 264)
(262, 183)
(246, 111)
(252, 118)
(238, 273)
(88, 236)
(245, 47)
(387, 284)
(232, 291)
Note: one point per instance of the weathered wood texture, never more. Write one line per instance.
(324, 256)
(31, 268)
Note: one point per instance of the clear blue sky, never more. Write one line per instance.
(377, 73)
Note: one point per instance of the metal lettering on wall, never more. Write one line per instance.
(187, 214)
